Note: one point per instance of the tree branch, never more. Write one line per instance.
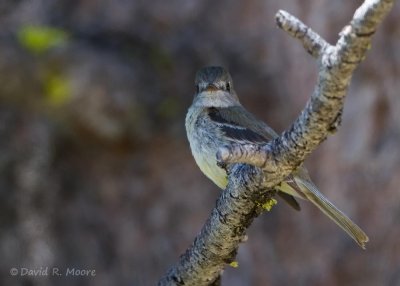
(312, 42)
(217, 243)
(322, 114)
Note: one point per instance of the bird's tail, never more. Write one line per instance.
(311, 192)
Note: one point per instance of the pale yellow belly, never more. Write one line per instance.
(209, 167)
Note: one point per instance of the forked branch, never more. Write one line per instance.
(217, 243)
(322, 114)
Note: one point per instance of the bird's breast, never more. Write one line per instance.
(204, 143)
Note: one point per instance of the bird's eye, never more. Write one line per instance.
(228, 86)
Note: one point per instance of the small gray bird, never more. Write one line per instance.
(216, 119)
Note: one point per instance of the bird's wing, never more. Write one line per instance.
(289, 199)
(239, 125)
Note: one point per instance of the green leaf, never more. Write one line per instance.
(39, 39)
(57, 89)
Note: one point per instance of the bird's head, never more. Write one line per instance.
(214, 88)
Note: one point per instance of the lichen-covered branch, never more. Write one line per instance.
(322, 114)
(217, 243)
(312, 42)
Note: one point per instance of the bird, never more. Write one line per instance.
(216, 119)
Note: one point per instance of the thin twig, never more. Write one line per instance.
(312, 42)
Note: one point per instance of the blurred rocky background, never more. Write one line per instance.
(95, 169)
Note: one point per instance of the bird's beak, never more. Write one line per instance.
(211, 87)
